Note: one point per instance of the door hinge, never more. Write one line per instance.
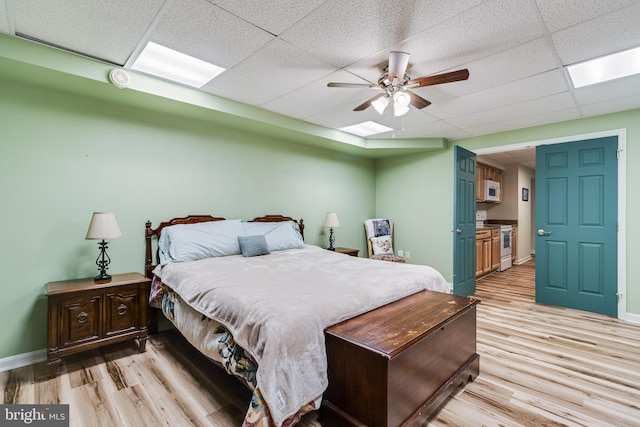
(619, 296)
(618, 151)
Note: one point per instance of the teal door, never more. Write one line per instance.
(464, 233)
(576, 223)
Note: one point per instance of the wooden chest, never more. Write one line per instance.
(397, 364)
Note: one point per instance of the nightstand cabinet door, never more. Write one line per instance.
(80, 319)
(121, 310)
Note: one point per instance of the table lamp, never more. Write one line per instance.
(103, 226)
(332, 222)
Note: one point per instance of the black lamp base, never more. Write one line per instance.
(331, 240)
(103, 262)
(102, 278)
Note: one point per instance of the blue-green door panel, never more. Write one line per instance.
(576, 206)
(464, 245)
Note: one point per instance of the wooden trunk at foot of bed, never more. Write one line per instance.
(397, 364)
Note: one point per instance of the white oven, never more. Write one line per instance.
(505, 247)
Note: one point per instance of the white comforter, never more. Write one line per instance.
(277, 306)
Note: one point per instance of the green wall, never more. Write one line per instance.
(64, 156)
(417, 192)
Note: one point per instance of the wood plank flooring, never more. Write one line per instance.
(539, 366)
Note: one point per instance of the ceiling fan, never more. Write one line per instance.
(394, 85)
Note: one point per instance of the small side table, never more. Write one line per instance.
(84, 315)
(348, 251)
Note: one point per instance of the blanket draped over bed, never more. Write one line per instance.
(277, 306)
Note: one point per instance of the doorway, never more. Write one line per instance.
(620, 134)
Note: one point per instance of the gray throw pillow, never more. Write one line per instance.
(253, 245)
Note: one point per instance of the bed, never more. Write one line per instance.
(254, 298)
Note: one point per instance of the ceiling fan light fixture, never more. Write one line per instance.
(401, 102)
(380, 104)
(401, 99)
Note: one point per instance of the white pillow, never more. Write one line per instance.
(381, 245)
(279, 235)
(191, 242)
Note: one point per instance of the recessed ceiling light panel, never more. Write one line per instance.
(175, 66)
(366, 128)
(610, 67)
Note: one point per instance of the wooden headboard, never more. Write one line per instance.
(150, 262)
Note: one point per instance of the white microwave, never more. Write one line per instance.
(491, 191)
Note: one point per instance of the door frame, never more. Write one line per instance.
(622, 195)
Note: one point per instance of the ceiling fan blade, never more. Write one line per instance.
(367, 103)
(439, 79)
(353, 85)
(398, 62)
(418, 101)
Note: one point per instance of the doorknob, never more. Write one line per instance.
(458, 231)
(541, 232)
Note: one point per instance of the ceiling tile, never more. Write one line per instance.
(530, 88)
(611, 106)
(109, 30)
(317, 98)
(491, 27)
(273, 16)
(274, 70)
(343, 32)
(561, 101)
(508, 66)
(558, 15)
(614, 32)
(608, 91)
(207, 32)
(526, 121)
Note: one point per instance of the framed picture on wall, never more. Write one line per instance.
(525, 194)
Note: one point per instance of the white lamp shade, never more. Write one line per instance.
(401, 99)
(380, 104)
(331, 220)
(103, 226)
(401, 102)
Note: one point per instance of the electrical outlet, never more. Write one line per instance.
(400, 252)
(407, 254)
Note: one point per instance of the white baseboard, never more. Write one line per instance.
(24, 359)
(522, 260)
(633, 318)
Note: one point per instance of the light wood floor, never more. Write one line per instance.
(539, 366)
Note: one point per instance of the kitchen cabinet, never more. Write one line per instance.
(479, 255)
(487, 250)
(480, 171)
(495, 249)
(483, 252)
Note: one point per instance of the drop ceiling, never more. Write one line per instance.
(279, 55)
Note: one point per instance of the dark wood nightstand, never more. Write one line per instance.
(85, 315)
(348, 251)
